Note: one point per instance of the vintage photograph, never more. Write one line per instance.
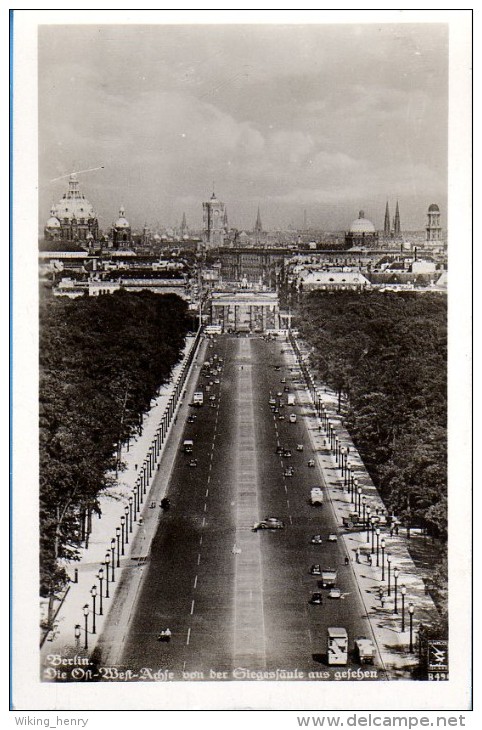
(242, 271)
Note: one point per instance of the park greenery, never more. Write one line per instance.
(102, 360)
(386, 355)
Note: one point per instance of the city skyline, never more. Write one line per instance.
(327, 119)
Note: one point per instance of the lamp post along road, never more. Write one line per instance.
(403, 591)
(367, 524)
(123, 522)
(396, 573)
(126, 511)
(389, 564)
(100, 576)
(86, 626)
(93, 593)
(410, 614)
(107, 564)
(382, 543)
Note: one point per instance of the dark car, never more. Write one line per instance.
(191, 419)
(316, 540)
(287, 453)
(315, 569)
(316, 599)
(269, 523)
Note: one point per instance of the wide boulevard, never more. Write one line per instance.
(233, 598)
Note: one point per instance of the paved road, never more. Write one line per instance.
(233, 597)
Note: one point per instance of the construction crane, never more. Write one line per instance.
(77, 172)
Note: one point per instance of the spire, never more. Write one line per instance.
(386, 227)
(258, 227)
(396, 222)
(225, 219)
(183, 224)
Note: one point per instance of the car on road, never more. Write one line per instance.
(315, 569)
(287, 453)
(279, 394)
(334, 593)
(217, 381)
(283, 380)
(332, 537)
(279, 450)
(269, 523)
(275, 410)
(316, 540)
(281, 417)
(277, 367)
(191, 419)
(193, 462)
(272, 401)
(292, 417)
(212, 397)
(311, 463)
(299, 447)
(289, 472)
(316, 599)
(286, 389)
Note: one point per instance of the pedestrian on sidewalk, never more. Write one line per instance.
(357, 555)
(369, 559)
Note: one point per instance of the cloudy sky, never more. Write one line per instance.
(323, 118)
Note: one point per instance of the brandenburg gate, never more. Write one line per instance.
(245, 311)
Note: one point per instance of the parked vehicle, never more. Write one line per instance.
(332, 537)
(187, 446)
(291, 399)
(316, 496)
(315, 569)
(334, 593)
(299, 447)
(328, 578)
(337, 645)
(316, 540)
(364, 650)
(292, 417)
(198, 398)
(311, 463)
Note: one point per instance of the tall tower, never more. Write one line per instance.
(258, 227)
(184, 228)
(433, 227)
(396, 223)
(386, 227)
(213, 220)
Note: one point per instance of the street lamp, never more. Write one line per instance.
(396, 573)
(364, 499)
(93, 593)
(123, 523)
(112, 550)
(383, 558)
(378, 539)
(359, 490)
(347, 475)
(367, 524)
(107, 564)
(389, 564)
(100, 576)
(117, 534)
(86, 622)
(410, 613)
(131, 501)
(374, 522)
(126, 519)
(403, 591)
(134, 501)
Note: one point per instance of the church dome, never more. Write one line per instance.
(121, 222)
(53, 221)
(362, 225)
(74, 204)
(433, 208)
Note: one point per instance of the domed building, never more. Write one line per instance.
(121, 231)
(73, 218)
(362, 233)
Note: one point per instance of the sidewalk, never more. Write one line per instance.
(121, 535)
(392, 643)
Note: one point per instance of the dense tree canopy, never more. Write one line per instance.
(102, 360)
(386, 355)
